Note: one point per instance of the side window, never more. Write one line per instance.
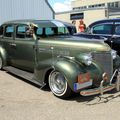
(49, 31)
(65, 30)
(61, 30)
(1, 30)
(9, 31)
(102, 29)
(39, 31)
(20, 31)
(117, 29)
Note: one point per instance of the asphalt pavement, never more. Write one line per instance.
(20, 100)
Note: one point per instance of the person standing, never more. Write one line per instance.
(74, 22)
(82, 26)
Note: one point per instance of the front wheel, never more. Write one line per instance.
(59, 85)
(1, 63)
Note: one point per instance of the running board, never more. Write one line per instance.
(23, 74)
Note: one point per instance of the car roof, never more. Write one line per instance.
(41, 23)
(105, 21)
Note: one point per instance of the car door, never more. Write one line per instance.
(7, 41)
(24, 57)
(115, 38)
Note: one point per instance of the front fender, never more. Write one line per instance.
(71, 70)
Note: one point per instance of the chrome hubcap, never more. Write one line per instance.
(57, 83)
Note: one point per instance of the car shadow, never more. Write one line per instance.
(45, 88)
(96, 99)
(87, 100)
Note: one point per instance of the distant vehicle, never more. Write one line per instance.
(45, 52)
(107, 30)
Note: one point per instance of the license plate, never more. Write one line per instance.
(78, 86)
(83, 78)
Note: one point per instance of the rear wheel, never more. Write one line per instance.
(59, 85)
(1, 63)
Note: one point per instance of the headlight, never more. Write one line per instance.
(87, 59)
(114, 54)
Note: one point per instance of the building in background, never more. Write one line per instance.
(25, 9)
(90, 11)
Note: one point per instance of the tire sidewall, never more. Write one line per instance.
(67, 90)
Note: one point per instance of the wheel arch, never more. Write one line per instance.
(68, 68)
(47, 75)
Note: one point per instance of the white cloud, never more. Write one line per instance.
(59, 7)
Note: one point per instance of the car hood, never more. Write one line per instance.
(77, 43)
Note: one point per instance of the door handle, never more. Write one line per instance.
(12, 44)
(52, 48)
(42, 49)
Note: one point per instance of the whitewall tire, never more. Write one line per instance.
(59, 85)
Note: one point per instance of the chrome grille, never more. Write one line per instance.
(105, 61)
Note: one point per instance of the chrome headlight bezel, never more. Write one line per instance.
(87, 59)
(114, 54)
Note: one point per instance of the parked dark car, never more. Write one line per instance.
(107, 30)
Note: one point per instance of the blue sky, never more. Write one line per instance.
(60, 5)
(52, 2)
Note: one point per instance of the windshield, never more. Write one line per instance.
(54, 31)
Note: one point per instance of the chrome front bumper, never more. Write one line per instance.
(102, 89)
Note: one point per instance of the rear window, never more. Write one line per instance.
(9, 31)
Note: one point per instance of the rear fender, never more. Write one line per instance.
(3, 55)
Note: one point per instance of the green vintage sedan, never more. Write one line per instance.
(45, 52)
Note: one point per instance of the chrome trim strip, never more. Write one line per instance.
(97, 90)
